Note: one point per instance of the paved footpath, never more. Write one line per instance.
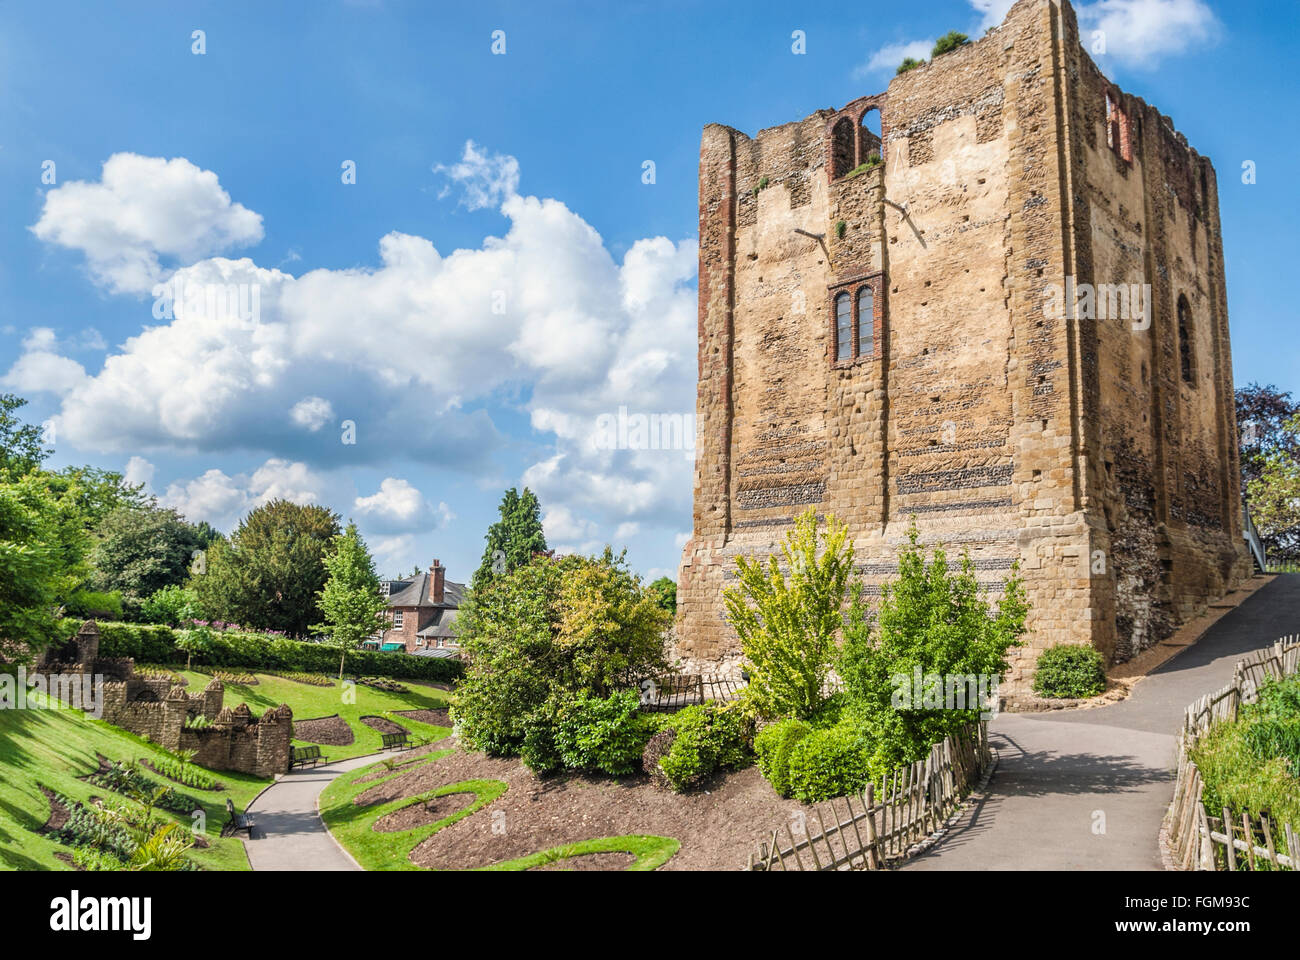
(1061, 773)
(289, 833)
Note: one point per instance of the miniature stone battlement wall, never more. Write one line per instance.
(157, 709)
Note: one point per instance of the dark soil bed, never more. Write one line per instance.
(332, 731)
(422, 814)
(59, 814)
(439, 718)
(718, 826)
(382, 724)
(614, 860)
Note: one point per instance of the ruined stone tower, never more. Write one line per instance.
(882, 336)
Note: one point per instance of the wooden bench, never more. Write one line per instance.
(238, 821)
(396, 741)
(306, 757)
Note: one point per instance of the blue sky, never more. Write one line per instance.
(499, 276)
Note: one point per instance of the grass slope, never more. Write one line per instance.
(54, 748)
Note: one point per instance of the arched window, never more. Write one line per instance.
(869, 139)
(843, 327)
(841, 148)
(1185, 354)
(866, 322)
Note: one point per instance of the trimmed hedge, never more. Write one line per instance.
(1070, 671)
(829, 763)
(773, 745)
(152, 643)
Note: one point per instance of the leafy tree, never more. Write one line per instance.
(1263, 413)
(788, 628)
(21, 449)
(173, 605)
(1269, 431)
(195, 641)
(94, 605)
(33, 581)
(350, 600)
(540, 635)
(665, 591)
(932, 619)
(268, 575)
(1274, 497)
(140, 550)
(513, 540)
(949, 42)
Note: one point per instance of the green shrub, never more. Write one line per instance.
(841, 227)
(1070, 671)
(172, 605)
(1236, 777)
(788, 627)
(703, 739)
(601, 735)
(564, 629)
(909, 63)
(829, 763)
(93, 604)
(949, 42)
(935, 619)
(773, 745)
(538, 749)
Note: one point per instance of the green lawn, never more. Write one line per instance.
(352, 825)
(54, 748)
(308, 703)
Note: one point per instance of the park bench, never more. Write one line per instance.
(306, 756)
(238, 821)
(396, 741)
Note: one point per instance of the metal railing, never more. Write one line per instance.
(1251, 535)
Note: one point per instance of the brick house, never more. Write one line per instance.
(421, 610)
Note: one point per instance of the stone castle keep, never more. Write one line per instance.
(880, 341)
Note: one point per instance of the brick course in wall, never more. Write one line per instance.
(1072, 445)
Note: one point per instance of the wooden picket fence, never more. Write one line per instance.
(878, 826)
(1217, 840)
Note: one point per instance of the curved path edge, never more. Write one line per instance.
(289, 833)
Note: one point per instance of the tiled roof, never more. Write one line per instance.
(414, 592)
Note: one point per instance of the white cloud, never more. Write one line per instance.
(143, 209)
(396, 554)
(543, 307)
(993, 12)
(41, 369)
(139, 470)
(888, 57)
(396, 504)
(485, 179)
(312, 413)
(222, 500)
(1140, 33)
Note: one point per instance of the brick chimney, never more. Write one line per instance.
(437, 581)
